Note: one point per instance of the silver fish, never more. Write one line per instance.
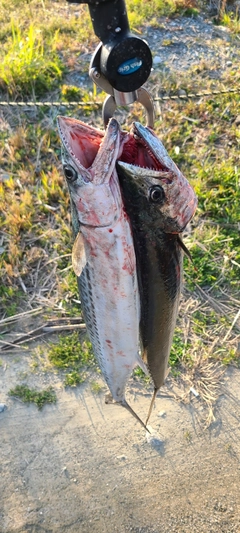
(160, 202)
(103, 253)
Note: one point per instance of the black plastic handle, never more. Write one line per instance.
(126, 60)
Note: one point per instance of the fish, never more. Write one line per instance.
(103, 254)
(160, 202)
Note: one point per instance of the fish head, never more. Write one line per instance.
(155, 181)
(89, 159)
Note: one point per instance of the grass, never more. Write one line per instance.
(187, 436)
(178, 349)
(30, 64)
(27, 395)
(47, 56)
(72, 379)
(71, 354)
(232, 22)
(95, 387)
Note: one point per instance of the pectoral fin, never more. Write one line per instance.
(184, 248)
(142, 365)
(78, 255)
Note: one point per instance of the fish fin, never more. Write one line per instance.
(125, 404)
(167, 372)
(142, 365)
(184, 248)
(151, 404)
(78, 255)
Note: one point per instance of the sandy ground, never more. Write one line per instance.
(83, 466)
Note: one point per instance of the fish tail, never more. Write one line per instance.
(127, 406)
(151, 404)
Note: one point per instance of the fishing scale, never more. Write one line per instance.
(122, 62)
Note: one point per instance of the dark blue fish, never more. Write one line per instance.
(159, 202)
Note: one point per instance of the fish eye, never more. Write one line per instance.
(156, 194)
(70, 173)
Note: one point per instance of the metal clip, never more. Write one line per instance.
(96, 74)
(142, 96)
(118, 98)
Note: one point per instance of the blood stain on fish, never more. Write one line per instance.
(108, 342)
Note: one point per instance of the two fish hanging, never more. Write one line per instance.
(129, 203)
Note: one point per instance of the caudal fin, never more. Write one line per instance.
(151, 404)
(127, 406)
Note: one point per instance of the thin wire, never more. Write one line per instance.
(186, 96)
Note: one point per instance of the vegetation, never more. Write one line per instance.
(27, 395)
(96, 388)
(70, 354)
(31, 65)
(72, 379)
(41, 57)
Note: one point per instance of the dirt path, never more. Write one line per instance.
(83, 466)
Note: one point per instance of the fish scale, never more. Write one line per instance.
(110, 302)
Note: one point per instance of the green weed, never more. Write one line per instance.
(139, 373)
(231, 356)
(96, 388)
(29, 65)
(70, 92)
(68, 289)
(221, 185)
(71, 353)
(27, 395)
(178, 349)
(74, 378)
(189, 11)
(232, 21)
(10, 298)
(51, 190)
(140, 11)
(188, 436)
(215, 258)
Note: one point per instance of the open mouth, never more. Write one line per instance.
(137, 151)
(96, 154)
(83, 143)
